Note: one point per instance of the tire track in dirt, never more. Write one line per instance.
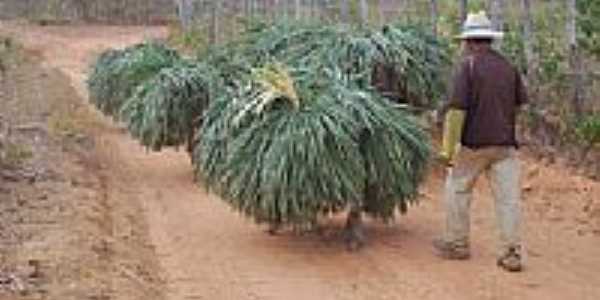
(210, 252)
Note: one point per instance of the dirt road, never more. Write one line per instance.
(208, 251)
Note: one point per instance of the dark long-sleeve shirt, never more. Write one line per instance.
(490, 90)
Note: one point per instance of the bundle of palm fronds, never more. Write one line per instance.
(401, 62)
(166, 109)
(117, 73)
(292, 143)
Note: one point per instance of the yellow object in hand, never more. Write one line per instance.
(453, 127)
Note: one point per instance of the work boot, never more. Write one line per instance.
(451, 250)
(511, 260)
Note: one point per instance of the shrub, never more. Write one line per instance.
(588, 130)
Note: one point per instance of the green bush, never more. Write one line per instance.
(588, 130)
(589, 26)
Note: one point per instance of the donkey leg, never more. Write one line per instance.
(354, 232)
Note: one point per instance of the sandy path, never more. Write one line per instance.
(210, 252)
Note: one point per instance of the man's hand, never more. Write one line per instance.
(444, 159)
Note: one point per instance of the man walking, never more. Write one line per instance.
(481, 113)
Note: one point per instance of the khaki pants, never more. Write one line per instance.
(501, 165)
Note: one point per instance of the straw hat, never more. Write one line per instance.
(479, 26)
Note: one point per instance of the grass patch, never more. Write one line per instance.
(11, 54)
(63, 124)
(588, 130)
(5, 53)
(14, 154)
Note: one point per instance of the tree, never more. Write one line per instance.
(574, 57)
(380, 12)
(496, 8)
(185, 11)
(364, 11)
(527, 24)
(276, 10)
(464, 6)
(344, 10)
(297, 9)
(214, 27)
(83, 9)
(433, 6)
